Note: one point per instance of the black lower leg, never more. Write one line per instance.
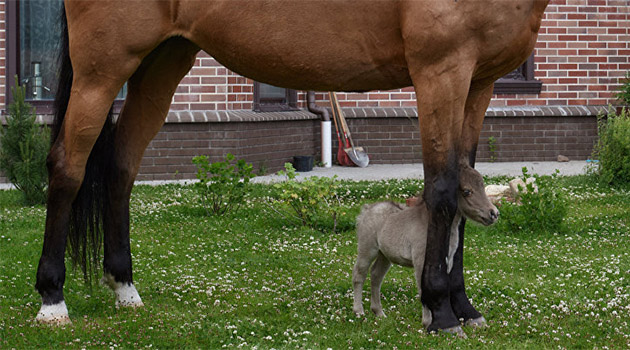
(462, 307)
(117, 250)
(440, 197)
(51, 271)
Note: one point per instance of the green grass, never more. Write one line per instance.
(252, 280)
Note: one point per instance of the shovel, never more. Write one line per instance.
(356, 154)
(342, 156)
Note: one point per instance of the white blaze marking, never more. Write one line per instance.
(53, 314)
(126, 293)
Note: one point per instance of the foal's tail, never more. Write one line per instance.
(86, 218)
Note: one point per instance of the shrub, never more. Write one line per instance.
(613, 148)
(222, 185)
(534, 211)
(24, 147)
(312, 202)
(624, 92)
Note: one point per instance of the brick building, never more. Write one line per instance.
(545, 108)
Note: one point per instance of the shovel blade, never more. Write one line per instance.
(358, 156)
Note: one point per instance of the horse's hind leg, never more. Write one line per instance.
(88, 106)
(476, 105)
(150, 90)
(377, 274)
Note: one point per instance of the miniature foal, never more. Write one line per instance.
(389, 233)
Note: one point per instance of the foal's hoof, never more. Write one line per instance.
(479, 322)
(456, 330)
(53, 315)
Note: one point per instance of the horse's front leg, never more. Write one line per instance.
(441, 90)
(150, 91)
(476, 105)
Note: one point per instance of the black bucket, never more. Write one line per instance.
(303, 163)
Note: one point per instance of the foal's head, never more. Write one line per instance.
(472, 199)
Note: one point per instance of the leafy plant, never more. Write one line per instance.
(624, 92)
(308, 202)
(539, 207)
(492, 146)
(222, 185)
(613, 148)
(24, 146)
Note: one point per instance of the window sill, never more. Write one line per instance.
(509, 86)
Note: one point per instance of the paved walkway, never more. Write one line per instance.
(406, 171)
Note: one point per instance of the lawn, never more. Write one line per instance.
(253, 280)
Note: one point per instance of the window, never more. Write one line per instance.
(269, 98)
(33, 37)
(519, 81)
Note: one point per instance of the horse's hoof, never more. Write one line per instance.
(126, 293)
(479, 322)
(129, 303)
(54, 315)
(456, 330)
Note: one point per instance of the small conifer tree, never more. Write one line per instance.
(23, 149)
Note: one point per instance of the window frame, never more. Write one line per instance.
(523, 83)
(269, 105)
(12, 32)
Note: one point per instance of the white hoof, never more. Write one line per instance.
(55, 314)
(478, 322)
(126, 293)
(456, 330)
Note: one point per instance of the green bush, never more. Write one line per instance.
(534, 211)
(222, 185)
(624, 92)
(311, 202)
(613, 148)
(24, 147)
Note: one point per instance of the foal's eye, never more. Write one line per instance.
(467, 193)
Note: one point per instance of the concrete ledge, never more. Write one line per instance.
(355, 113)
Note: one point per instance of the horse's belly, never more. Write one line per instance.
(340, 45)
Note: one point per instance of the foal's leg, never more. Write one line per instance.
(476, 105)
(150, 91)
(377, 274)
(441, 89)
(365, 256)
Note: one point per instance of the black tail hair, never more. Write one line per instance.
(85, 237)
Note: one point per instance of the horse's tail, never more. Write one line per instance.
(86, 218)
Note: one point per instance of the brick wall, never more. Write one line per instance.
(389, 136)
(582, 52)
(3, 54)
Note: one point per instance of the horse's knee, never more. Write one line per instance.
(440, 193)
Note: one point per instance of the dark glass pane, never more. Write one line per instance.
(272, 92)
(39, 40)
(40, 36)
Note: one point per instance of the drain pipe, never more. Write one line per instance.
(325, 125)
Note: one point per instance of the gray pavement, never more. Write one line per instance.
(409, 171)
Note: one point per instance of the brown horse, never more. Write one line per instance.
(451, 51)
